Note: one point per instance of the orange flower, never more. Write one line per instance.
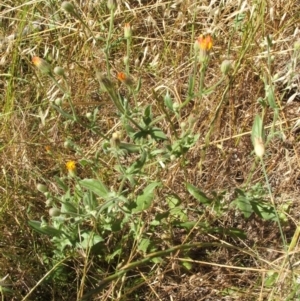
(127, 31)
(42, 65)
(48, 149)
(121, 76)
(205, 43)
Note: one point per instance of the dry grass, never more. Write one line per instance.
(162, 56)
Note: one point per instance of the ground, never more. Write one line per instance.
(179, 204)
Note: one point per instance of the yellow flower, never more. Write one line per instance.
(42, 65)
(205, 43)
(71, 166)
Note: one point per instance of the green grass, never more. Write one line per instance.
(169, 168)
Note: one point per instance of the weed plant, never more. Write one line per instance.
(149, 151)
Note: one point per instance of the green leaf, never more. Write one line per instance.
(66, 115)
(147, 118)
(198, 194)
(89, 240)
(95, 186)
(138, 86)
(270, 279)
(143, 245)
(243, 204)
(232, 232)
(186, 225)
(257, 129)
(61, 184)
(265, 211)
(187, 264)
(157, 260)
(144, 200)
(159, 217)
(89, 200)
(173, 201)
(67, 207)
(168, 101)
(129, 147)
(157, 133)
(179, 214)
(44, 229)
(271, 97)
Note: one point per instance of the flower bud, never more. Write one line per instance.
(297, 46)
(54, 212)
(89, 115)
(59, 71)
(172, 157)
(42, 65)
(49, 202)
(115, 139)
(183, 125)
(127, 80)
(47, 194)
(127, 31)
(58, 101)
(111, 5)
(125, 60)
(176, 106)
(41, 188)
(68, 7)
(68, 144)
(203, 45)
(226, 67)
(259, 147)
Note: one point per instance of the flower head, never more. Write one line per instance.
(71, 165)
(48, 149)
(41, 64)
(122, 77)
(127, 31)
(205, 43)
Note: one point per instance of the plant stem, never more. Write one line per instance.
(106, 51)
